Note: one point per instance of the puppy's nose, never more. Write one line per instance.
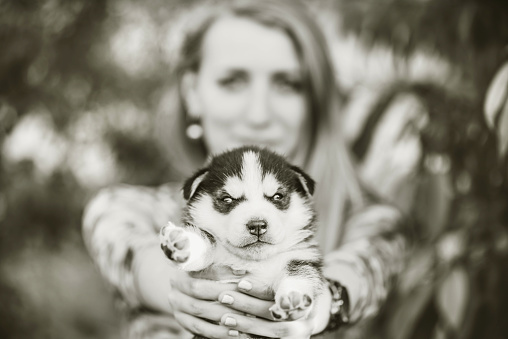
(257, 227)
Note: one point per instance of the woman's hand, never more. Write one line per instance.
(252, 302)
(194, 302)
(242, 308)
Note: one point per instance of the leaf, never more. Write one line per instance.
(495, 95)
(452, 245)
(496, 107)
(502, 130)
(452, 297)
(418, 270)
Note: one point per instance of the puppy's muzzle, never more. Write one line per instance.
(257, 227)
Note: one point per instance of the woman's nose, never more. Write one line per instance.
(258, 109)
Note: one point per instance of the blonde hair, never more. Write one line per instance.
(327, 161)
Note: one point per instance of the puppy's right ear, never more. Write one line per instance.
(191, 185)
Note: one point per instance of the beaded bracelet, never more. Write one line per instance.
(339, 310)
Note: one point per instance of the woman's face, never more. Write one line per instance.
(249, 89)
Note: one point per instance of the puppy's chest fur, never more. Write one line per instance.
(267, 271)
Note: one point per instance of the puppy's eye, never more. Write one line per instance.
(227, 199)
(277, 196)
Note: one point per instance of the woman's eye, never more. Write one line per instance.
(227, 200)
(277, 196)
(287, 85)
(233, 83)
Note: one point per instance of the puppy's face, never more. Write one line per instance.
(252, 201)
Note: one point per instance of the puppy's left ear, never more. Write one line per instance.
(191, 185)
(305, 180)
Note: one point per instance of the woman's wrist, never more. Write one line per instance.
(340, 306)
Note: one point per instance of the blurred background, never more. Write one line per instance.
(81, 81)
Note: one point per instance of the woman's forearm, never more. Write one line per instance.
(120, 230)
(152, 272)
(373, 253)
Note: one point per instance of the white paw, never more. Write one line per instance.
(288, 303)
(175, 243)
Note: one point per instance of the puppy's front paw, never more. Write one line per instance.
(289, 303)
(175, 243)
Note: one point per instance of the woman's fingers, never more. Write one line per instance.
(315, 322)
(181, 302)
(246, 304)
(200, 288)
(206, 329)
(267, 328)
(191, 298)
(219, 273)
(253, 298)
(256, 289)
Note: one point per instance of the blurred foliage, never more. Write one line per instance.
(81, 80)
(470, 34)
(38, 207)
(453, 287)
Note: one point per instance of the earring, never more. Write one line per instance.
(194, 131)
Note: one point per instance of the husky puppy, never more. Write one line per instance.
(252, 211)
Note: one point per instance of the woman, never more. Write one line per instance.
(255, 72)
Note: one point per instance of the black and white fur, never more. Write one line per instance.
(251, 210)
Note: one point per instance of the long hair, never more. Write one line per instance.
(327, 160)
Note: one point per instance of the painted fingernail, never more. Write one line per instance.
(233, 333)
(244, 285)
(230, 321)
(227, 299)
